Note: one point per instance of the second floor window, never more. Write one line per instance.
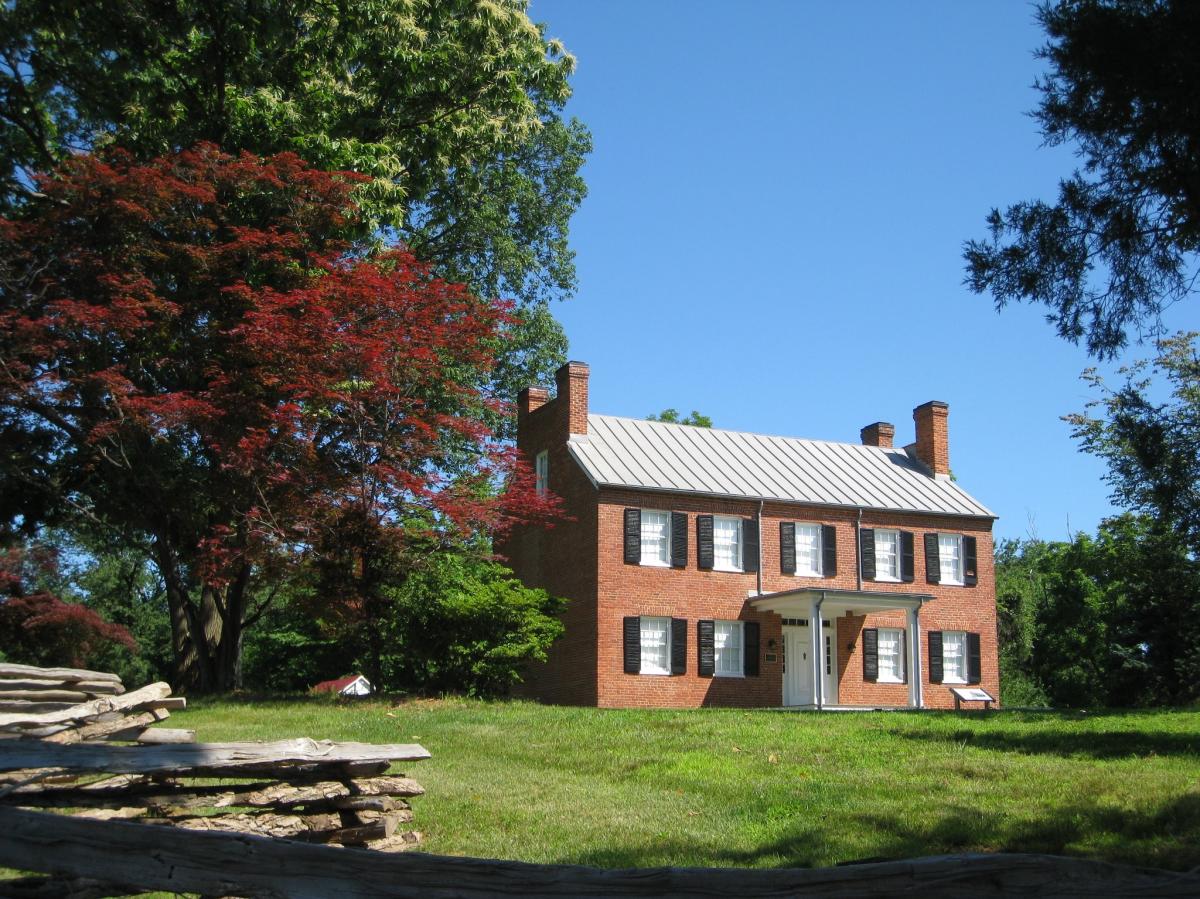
(887, 555)
(950, 557)
(808, 550)
(727, 544)
(542, 472)
(656, 537)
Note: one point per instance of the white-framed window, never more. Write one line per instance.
(891, 655)
(950, 558)
(808, 550)
(542, 472)
(656, 537)
(727, 543)
(887, 555)
(954, 657)
(656, 645)
(727, 649)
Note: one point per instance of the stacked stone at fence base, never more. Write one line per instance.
(102, 758)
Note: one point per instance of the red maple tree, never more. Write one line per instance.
(38, 628)
(194, 353)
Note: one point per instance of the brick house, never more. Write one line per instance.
(709, 567)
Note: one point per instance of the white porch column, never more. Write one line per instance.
(815, 644)
(916, 698)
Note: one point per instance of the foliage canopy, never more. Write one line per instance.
(194, 362)
(1120, 242)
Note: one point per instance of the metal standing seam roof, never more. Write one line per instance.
(651, 455)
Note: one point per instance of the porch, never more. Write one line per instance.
(810, 658)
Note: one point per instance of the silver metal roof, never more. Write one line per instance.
(651, 455)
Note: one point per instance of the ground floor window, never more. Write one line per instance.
(954, 657)
(727, 649)
(891, 655)
(656, 645)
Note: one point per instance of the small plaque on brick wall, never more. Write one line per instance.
(770, 657)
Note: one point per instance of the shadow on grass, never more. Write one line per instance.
(1165, 837)
(1095, 744)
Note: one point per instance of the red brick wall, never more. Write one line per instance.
(562, 559)
(694, 594)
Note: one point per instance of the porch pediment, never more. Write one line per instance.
(801, 601)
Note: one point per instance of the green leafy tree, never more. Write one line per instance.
(1104, 620)
(1120, 242)
(452, 109)
(671, 416)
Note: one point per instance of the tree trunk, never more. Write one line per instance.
(206, 638)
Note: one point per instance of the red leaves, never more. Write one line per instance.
(41, 628)
(222, 368)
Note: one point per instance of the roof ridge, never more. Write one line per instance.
(675, 424)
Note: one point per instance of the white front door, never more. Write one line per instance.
(798, 666)
(797, 669)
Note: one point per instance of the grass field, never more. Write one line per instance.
(767, 788)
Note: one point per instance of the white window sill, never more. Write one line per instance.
(719, 674)
(886, 579)
(947, 583)
(808, 574)
(889, 680)
(730, 570)
(954, 680)
(655, 673)
(654, 563)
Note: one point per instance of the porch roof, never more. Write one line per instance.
(801, 600)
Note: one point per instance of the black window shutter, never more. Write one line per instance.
(973, 659)
(970, 562)
(829, 550)
(707, 658)
(787, 547)
(633, 536)
(866, 553)
(936, 673)
(678, 645)
(704, 541)
(870, 645)
(933, 560)
(750, 632)
(633, 645)
(749, 544)
(679, 539)
(907, 564)
(904, 655)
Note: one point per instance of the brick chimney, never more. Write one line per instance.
(878, 434)
(529, 401)
(933, 440)
(572, 381)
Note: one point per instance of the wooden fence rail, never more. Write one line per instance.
(142, 857)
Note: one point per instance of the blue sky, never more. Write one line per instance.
(778, 198)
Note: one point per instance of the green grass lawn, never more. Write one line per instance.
(721, 787)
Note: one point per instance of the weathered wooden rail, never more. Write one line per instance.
(139, 858)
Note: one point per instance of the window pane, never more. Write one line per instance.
(727, 647)
(887, 555)
(542, 471)
(891, 655)
(656, 638)
(808, 549)
(656, 537)
(954, 657)
(950, 554)
(727, 538)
